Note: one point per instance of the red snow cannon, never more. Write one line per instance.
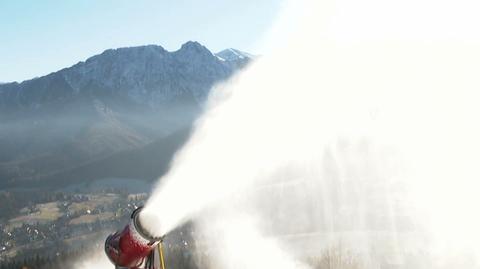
(133, 246)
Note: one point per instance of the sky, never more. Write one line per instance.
(40, 37)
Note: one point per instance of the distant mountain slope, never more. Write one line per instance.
(147, 162)
(120, 100)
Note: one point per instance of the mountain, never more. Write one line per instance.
(118, 101)
(234, 55)
(146, 75)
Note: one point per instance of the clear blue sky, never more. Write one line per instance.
(39, 37)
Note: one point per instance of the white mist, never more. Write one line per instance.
(371, 107)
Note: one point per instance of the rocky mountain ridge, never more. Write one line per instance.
(120, 100)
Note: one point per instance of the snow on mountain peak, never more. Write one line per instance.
(234, 55)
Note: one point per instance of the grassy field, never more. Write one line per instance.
(93, 202)
(42, 213)
(92, 218)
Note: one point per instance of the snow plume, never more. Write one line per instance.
(358, 131)
(95, 261)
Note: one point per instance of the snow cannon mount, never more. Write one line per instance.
(134, 246)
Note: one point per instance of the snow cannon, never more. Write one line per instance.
(133, 246)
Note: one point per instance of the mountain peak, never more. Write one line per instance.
(234, 55)
(194, 46)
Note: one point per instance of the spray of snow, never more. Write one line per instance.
(96, 259)
(365, 116)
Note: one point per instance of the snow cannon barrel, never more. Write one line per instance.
(129, 247)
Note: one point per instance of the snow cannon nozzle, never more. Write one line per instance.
(132, 246)
(142, 231)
